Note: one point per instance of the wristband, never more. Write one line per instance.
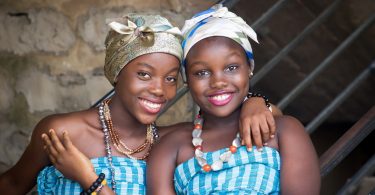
(95, 186)
(265, 98)
(97, 191)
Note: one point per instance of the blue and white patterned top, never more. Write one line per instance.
(130, 177)
(245, 173)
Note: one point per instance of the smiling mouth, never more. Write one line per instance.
(151, 107)
(221, 99)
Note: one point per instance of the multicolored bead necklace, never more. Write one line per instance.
(199, 155)
(107, 142)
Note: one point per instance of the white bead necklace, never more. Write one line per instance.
(199, 155)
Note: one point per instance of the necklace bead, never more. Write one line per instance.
(233, 149)
(107, 142)
(199, 155)
(207, 168)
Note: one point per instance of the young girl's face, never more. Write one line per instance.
(218, 75)
(147, 83)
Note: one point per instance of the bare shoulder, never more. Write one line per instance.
(175, 136)
(298, 158)
(72, 122)
(288, 125)
(175, 133)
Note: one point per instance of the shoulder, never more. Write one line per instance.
(176, 130)
(70, 122)
(298, 157)
(292, 134)
(174, 137)
(287, 124)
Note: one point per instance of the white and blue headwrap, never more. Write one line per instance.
(218, 21)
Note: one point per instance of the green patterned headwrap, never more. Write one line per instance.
(134, 35)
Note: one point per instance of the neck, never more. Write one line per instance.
(123, 121)
(222, 123)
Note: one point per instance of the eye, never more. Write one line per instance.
(144, 75)
(202, 73)
(171, 79)
(231, 68)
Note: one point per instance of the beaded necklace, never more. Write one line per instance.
(108, 143)
(120, 146)
(199, 155)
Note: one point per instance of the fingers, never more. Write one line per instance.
(56, 141)
(240, 128)
(256, 135)
(264, 131)
(272, 125)
(246, 135)
(50, 155)
(48, 147)
(66, 141)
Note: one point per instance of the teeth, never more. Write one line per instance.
(220, 97)
(151, 105)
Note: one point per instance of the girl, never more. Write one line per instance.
(206, 157)
(143, 54)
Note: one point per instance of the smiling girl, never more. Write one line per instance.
(206, 157)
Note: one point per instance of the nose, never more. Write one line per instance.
(218, 81)
(156, 88)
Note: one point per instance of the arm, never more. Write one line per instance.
(160, 167)
(257, 124)
(22, 176)
(299, 159)
(72, 163)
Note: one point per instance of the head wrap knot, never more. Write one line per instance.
(135, 35)
(218, 21)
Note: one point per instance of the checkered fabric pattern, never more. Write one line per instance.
(245, 173)
(130, 177)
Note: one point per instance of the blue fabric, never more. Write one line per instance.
(245, 173)
(130, 176)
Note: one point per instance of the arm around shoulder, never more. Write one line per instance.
(299, 168)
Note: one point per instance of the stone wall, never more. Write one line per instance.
(51, 60)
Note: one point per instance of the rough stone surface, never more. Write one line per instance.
(7, 94)
(92, 27)
(36, 30)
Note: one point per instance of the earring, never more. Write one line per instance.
(251, 75)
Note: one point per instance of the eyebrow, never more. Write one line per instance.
(145, 64)
(236, 53)
(151, 67)
(197, 63)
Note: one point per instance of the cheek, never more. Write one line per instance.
(170, 91)
(243, 81)
(197, 87)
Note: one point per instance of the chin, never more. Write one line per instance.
(220, 112)
(147, 119)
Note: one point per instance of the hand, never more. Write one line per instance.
(71, 162)
(256, 123)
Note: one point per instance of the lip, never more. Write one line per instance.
(151, 106)
(220, 98)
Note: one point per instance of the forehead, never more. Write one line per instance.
(162, 63)
(213, 43)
